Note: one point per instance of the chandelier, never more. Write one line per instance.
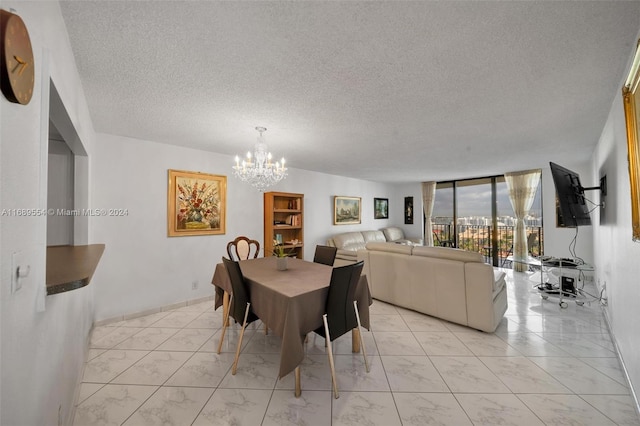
(258, 169)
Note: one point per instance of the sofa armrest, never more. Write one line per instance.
(363, 255)
(484, 308)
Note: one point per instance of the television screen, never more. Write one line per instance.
(570, 202)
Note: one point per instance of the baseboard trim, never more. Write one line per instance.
(76, 392)
(152, 311)
(634, 395)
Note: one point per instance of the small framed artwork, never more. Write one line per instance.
(196, 203)
(408, 210)
(346, 210)
(381, 208)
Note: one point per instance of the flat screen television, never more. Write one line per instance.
(570, 202)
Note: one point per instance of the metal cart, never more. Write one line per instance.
(567, 288)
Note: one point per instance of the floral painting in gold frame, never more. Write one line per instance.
(630, 97)
(197, 203)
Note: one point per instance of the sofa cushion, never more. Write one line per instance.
(349, 239)
(346, 254)
(448, 253)
(393, 233)
(373, 236)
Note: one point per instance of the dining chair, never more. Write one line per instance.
(531, 240)
(239, 306)
(243, 248)
(442, 243)
(341, 312)
(325, 255)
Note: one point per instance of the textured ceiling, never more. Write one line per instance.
(384, 91)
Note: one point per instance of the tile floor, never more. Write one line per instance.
(543, 366)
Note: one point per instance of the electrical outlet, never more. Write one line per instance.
(194, 285)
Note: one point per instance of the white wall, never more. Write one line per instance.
(43, 338)
(617, 256)
(396, 209)
(142, 268)
(60, 193)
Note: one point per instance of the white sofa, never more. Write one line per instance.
(348, 243)
(447, 283)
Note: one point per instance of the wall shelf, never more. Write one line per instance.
(71, 267)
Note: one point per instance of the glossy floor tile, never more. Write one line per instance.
(544, 365)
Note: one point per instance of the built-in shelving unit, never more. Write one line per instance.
(284, 222)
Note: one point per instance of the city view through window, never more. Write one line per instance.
(468, 205)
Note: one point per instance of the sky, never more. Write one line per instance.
(476, 201)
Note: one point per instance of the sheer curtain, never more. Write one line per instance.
(428, 196)
(522, 190)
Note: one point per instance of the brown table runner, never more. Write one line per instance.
(291, 302)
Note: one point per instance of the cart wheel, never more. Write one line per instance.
(563, 305)
(579, 303)
(545, 297)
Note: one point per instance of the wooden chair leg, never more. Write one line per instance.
(330, 353)
(244, 325)
(298, 390)
(355, 340)
(225, 324)
(266, 330)
(364, 349)
(226, 303)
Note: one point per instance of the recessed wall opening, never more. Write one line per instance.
(60, 190)
(67, 178)
(71, 262)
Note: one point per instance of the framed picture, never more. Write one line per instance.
(346, 210)
(196, 203)
(381, 208)
(631, 99)
(408, 210)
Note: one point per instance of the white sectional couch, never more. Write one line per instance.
(447, 283)
(348, 243)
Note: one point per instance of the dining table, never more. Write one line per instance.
(291, 302)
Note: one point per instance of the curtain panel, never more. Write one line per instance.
(522, 188)
(428, 197)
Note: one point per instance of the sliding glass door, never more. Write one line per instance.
(443, 217)
(476, 215)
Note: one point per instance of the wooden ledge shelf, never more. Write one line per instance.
(71, 267)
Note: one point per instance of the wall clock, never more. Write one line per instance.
(17, 67)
